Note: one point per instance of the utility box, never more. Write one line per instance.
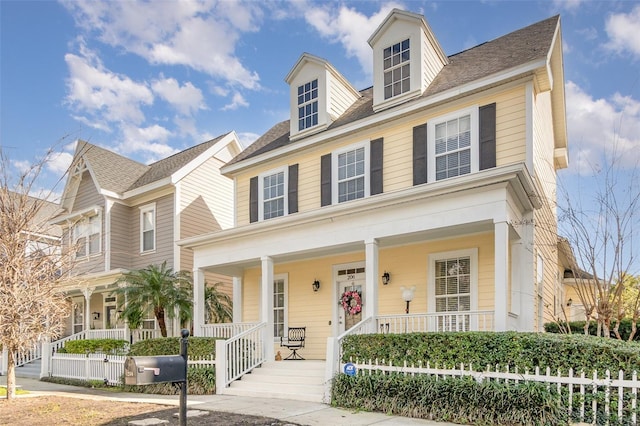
(147, 370)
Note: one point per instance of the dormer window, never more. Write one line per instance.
(397, 72)
(308, 105)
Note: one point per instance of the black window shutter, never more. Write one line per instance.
(420, 154)
(325, 180)
(487, 120)
(253, 199)
(376, 153)
(293, 188)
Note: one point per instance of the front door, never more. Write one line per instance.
(350, 309)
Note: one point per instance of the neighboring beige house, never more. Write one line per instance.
(120, 215)
(441, 178)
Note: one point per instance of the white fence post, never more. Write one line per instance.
(4, 360)
(45, 362)
(221, 366)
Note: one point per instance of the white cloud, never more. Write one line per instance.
(601, 128)
(350, 28)
(247, 138)
(200, 35)
(102, 93)
(186, 99)
(568, 5)
(150, 141)
(94, 123)
(23, 166)
(236, 102)
(624, 32)
(59, 162)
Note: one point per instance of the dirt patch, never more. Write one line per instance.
(57, 410)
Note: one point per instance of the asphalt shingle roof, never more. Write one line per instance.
(514, 49)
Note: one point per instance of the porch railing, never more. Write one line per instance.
(226, 330)
(31, 355)
(431, 322)
(111, 333)
(140, 334)
(239, 355)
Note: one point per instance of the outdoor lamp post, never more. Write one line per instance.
(407, 295)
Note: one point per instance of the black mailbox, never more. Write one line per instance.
(147, 370)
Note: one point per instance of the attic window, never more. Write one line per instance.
(396, 69)
(308, 105)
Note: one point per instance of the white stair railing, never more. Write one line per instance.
(239, 355)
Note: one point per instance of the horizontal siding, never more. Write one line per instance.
(164, 234)
(398, 148)
(87, 194)
(340, 98)
(122, 241)
(206, 201)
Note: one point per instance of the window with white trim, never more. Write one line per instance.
(308, 105)
(272, 187)
(453, 288)
(396, 69)
(280, 312)
(351, 176)
(148, 228)
(453, 145)
(87, 234)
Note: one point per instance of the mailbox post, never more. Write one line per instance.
(147, 370)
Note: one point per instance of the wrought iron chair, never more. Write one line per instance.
(294, 341)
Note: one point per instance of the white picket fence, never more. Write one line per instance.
(108, 369)
(590, 398)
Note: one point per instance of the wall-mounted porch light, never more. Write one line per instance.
(316, 285)
(569, 302)
(386, 277)
(96, 315)
(407, 295)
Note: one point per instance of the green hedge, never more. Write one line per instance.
(200, 381)
(577, 327)
(462, 401)
(524, 350)
(198, 346)
(106, 346)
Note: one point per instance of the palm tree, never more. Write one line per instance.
(156, 288)
(218, 305)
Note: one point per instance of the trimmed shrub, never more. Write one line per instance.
(458, 400)
(200, 381)
(513, 349)
(198, 347)
(91, 346)
(577, 327)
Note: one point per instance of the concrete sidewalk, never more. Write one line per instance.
(304, 413)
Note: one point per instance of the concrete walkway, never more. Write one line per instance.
(304, 413)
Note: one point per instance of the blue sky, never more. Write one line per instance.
(147, 79)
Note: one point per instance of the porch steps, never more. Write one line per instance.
(30, 370)
(296, 380)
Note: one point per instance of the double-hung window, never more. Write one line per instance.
(351, 167)
(308, 105)
(148, 228)
(453, 288)
(86, 235)
(453, 145)
(396, 69)
(273, 190)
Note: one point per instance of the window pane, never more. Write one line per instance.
(307, 99)
(147, 240)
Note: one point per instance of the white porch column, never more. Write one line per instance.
(237, 299)
(266, 305)
(501, 261)
(87, 292)
(371, 278)
(198, 301)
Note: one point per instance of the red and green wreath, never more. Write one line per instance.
(351, 301)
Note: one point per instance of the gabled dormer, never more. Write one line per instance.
(318, 94)
(406, 58)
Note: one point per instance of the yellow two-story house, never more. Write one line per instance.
(423, 203)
